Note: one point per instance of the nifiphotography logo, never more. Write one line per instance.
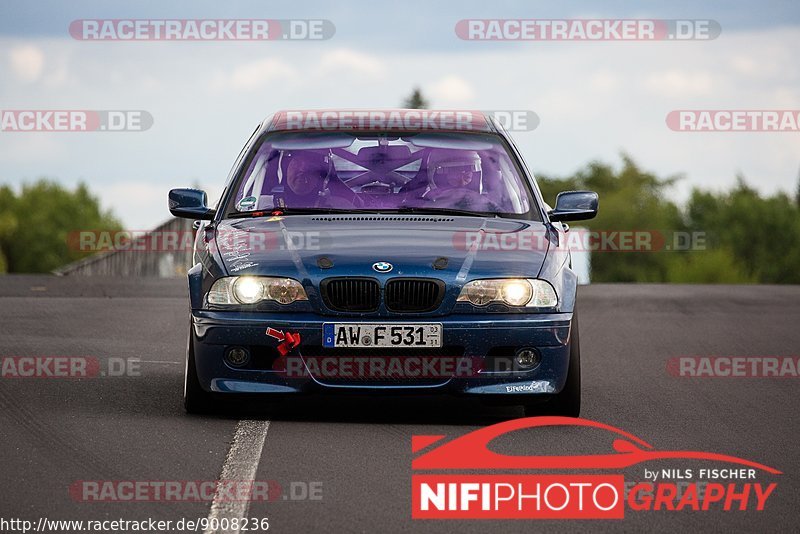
(498, 486)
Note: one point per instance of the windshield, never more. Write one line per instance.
(344, 171)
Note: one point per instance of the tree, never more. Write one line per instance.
(416, 100)
(631, 200)
(747, 238)
(761, 233)
(35, 226)
(8, 222)
(797, 192)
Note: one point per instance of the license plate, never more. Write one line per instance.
(361, 335)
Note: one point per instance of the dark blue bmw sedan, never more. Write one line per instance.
(383, 251)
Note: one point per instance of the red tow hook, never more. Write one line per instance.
(288, 341)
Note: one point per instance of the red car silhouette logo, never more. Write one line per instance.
(471, 450)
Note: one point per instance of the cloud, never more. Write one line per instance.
(451, 90)
(594, 100)
(143, 205)
(27, 62)
(258, 74)
(679, 83)
(348, 59)
(140, 205)
(604, 81)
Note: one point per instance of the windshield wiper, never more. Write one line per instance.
(441, 211)
(280, 212)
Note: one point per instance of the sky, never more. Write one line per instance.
(595, 100)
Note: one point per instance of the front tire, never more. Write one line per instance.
(196, 400)
(568, 402)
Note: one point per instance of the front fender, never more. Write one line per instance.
(557, 270)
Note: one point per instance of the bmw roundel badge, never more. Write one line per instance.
(382, 266)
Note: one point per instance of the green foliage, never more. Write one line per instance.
(630, 200)
(714, 266)
(748, 238)
(8, 222)
(797, 192)
(762, 233)
(415, 100)
(35, 225)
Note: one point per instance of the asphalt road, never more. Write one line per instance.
(355, 452)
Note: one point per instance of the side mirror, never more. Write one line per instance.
(574, 206)
(190, 204)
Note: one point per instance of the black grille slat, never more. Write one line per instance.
(351, 294)
(413, 294)
(402, 295)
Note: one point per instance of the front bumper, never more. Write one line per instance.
(476, 343)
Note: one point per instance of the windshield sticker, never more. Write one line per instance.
(247, 204)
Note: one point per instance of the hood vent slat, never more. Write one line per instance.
(402, 218)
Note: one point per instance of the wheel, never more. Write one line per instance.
(568, 401)
(195, 398)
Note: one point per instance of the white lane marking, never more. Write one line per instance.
(240, 464)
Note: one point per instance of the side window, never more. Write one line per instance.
(516, 196)
(254, 181)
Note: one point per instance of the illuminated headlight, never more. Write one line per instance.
(235, 290)
(516, 292)
(248, 290)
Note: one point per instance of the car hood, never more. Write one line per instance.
(450, 248)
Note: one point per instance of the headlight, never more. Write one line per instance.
(234, 290)
(284, 290)
(479, 292)
(248, 290)
(516, 292)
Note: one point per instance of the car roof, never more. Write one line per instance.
(380, 120)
